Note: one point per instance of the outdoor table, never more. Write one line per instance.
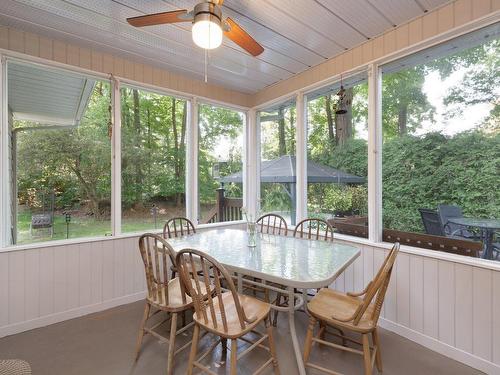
(291, 262)
(487, 227)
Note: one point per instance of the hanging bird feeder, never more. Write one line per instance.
(341, 110)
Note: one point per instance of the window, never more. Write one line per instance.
(337, 162)
(59, 154)
(441, 131)
(153, 159)
(220, 163)
(277, 166)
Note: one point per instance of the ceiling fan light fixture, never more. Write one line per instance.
(207, 30)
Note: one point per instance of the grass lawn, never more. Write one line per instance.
(83, 226)
(80, 226)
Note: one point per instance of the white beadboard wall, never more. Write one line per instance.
(449, 307)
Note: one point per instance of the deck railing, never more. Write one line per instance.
(225, 209)
(358, 226)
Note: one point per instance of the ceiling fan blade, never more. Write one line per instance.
(236, 33)
(160, 18)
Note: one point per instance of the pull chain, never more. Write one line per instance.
(206, 66)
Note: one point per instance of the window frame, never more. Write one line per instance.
(195, 199)
(116, 83)
(252, 153)
(374, 69)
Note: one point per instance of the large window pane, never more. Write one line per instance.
(441, 128)
(337, 153)
(220, 162)
(277, 164)
(153, 159)
(60, 154)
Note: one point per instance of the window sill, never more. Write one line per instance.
(481, 263)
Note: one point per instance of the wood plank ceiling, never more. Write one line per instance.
(296, 34)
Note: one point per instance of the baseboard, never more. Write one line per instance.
(441, 348)
(68, 314)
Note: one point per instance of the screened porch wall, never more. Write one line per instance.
(449, 307)
(96, 60)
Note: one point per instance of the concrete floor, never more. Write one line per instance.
(103, 343)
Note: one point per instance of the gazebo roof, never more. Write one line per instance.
(283, 170)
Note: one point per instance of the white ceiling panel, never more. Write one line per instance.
(355, 13)
(295, 34)
(265, 13)
(398, 11)
(324, 21)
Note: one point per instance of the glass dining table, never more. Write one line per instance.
(297, 264)
(488, 228)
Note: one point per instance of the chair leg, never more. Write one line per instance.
(309, 337)
(145, 317)
(366, 355)
(224, 349)
(234, 356)
(275, 312)
(183, 318)
(272, 347)
(378, 354)
(194, 349)
(171, 345)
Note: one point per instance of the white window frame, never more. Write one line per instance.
(194, 163)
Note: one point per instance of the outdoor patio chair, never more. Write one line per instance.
(454, 230)
(228, 315)
(355, 312)
(431, 221)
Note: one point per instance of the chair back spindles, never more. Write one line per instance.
(194, 265)
(178, 226)
(272, 224)
(314, 229)
(378, 287)
(155, 252)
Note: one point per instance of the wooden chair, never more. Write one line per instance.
(228, 315)
(164, 294)
(176, 227)
(272, 224)
(314, 229)
(356, 312)
(267, 224)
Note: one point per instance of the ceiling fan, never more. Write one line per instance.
(208, 26)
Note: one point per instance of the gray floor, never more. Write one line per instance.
(103, 343)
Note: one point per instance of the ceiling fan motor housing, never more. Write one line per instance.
(207, 11)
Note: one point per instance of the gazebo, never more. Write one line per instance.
(282, 170)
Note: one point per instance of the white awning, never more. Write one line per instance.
(46, 96)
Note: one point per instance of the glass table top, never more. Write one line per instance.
(290, 261)
(472, 222)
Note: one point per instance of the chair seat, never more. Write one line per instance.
(254, 309)
(328, 303)
(175, 302)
